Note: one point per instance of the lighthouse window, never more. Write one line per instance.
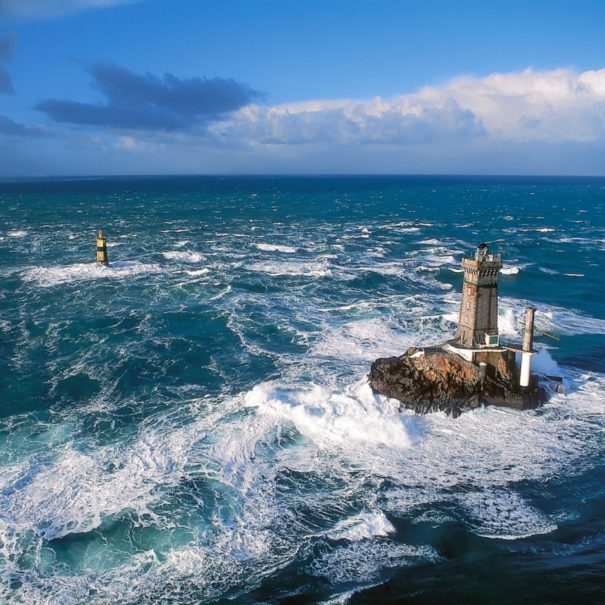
(468, 305)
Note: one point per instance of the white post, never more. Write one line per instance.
(528, 339)
(525, 369)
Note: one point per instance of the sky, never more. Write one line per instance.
(114, 87)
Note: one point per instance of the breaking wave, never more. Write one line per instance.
(186, 257)
(54, 276)
(549, 318)
(310, 268)
(339, 418)
(276, 248)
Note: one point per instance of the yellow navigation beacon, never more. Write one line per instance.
(101, 249)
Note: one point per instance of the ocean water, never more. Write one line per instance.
(192, 423)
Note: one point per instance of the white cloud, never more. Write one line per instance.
(130, 143)
(127, 143)
(407, 120)
(552, 106)
(559, 106)
(27, 9)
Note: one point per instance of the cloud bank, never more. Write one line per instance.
(529, 122)
(135, 102)
(6, 50)
(10, 128)
(531, 106)
(32, 9)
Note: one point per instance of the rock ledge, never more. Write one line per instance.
(433, 379)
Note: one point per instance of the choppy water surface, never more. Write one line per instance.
(192, 423)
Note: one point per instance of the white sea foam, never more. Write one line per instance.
(276, 248)
(548, 271)
(53, 276)
(363, 339)
(16, 233)
(509, 320)
(436, 260)
(76, 491)
(417, 323)
(510, 270)
(362, 561)
(182, 256)
(339, 418)
(197, 272)
(306, 268)
(549, 318)
(396, 225)
(503, 514)
(361, 527)
(342, 598)
(71, 493)
(486, 452)
(569, 322)
(139, 579)
(413, 272)
(543, 363)
(482, 455)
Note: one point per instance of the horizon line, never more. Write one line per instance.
(289, 175)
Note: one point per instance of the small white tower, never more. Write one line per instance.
(528, 341)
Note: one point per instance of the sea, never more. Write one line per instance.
(193, 422)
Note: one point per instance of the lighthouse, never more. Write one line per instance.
(102, 249)
(477, 339)
(478, 323)
(473, 368)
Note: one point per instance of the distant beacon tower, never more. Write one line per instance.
(478, 324)
(101, 249)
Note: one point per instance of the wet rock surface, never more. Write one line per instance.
(432, 379)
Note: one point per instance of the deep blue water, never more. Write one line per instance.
(192, 423)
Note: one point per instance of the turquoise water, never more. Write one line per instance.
(192, 423)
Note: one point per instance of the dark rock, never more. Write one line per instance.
(434, 379)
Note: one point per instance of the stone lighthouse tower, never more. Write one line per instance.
(478, 324)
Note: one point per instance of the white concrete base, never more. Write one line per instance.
(469, 354)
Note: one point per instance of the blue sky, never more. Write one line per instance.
(278, 86)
